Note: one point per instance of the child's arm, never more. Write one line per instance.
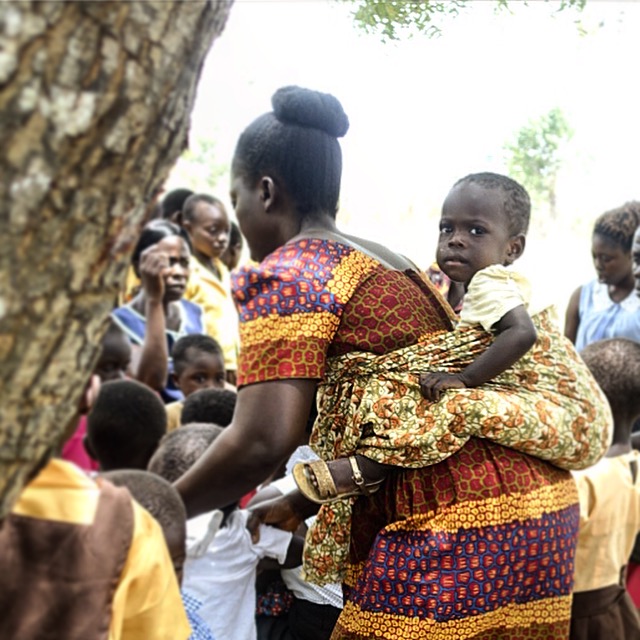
(292, 559)
(515, 336)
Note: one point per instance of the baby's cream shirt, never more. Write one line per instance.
(493, 292)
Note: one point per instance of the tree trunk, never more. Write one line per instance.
(95, 100)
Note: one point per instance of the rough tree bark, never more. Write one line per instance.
(95, 99)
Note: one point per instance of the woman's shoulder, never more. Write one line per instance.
(130, 321)
(311, 264)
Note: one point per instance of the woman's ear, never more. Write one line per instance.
(516, 248)
(269, 193)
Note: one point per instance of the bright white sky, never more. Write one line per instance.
(424, 112)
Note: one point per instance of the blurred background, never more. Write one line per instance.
(545, 95)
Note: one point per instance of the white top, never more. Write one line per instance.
(220, 570)
(328, 594)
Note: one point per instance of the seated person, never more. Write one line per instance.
(162, 501)
(220, 569)
(198, 363)
(90, 563)
(125, 425)
(213, 406)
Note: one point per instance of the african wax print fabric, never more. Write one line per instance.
(479, 545)
(547, 405)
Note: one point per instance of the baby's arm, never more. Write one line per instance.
(515, 335)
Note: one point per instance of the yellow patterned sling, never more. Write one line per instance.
(547, 405)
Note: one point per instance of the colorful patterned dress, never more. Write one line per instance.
(480, 545)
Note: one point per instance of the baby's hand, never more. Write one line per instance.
(433, 384)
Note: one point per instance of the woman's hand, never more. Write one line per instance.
(434, 383)
(154, 264)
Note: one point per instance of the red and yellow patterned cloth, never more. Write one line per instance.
(479, 545)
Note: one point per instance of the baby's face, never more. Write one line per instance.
(474, 232)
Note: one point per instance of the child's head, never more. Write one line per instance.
(615, 364)
(115, 355)
(231, 255)
(635, 257)
(484, 221)
(180, 449)
(172, 203)
(210, 406)
(125, 425)
(611, 243)
(163, 502)
(198, 363)
(206, 220)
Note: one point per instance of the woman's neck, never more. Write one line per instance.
(621, 290)
(139, 303)
(320, 224)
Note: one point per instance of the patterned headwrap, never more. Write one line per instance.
(619, 225)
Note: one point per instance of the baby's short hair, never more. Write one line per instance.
(180, 449)
(155, 494)
(515, 198)
(196, 341)
(615, 364)
(209, 406)
(125, 425)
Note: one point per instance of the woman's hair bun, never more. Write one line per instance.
(308, 108)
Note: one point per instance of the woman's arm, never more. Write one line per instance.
(572, 316)
(516, 334)
(151, 364)
(268, 424)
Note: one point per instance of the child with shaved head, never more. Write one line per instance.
(609, 504)
(162, 501)
(221, 565)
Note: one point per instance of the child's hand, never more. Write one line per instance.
(279, 512)
(433, 384)
(154, 264)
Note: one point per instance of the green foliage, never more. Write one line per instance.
(198, 167)
(393, 18)
(534, 157)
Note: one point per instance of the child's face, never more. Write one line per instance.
(474, 233)
(635, 253)
(209, 229)
(115, 357)
(203, 371)
(231, 257)
(612, 263)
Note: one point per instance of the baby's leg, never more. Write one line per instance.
(356, 475)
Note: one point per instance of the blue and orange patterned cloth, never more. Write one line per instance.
(480, 545)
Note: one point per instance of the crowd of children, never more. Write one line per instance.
(100, 535)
